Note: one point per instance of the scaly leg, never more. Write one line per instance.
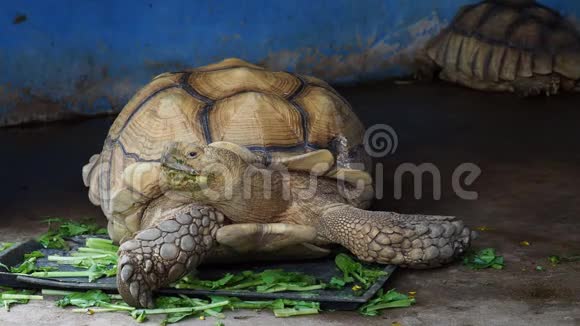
(416, 241)
(163, 252)
(537, 85)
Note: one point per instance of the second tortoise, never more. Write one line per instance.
(507, 45)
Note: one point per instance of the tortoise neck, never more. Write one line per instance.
(260, 195)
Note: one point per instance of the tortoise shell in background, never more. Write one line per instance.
(494, 44)
(274, 114)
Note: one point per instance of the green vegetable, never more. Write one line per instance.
(391, 299)
(26, 267)
(179, 308)
(52, 240)
(178, 302)
(29, 264)
(52, 292)
(290, 312)
(280, 307)
(102, 244)
(5, 245)
(555, 260)
(60, 228)
(295, 308)
(195, 283)
(214, 312)
(484, 258)
(268, 281)
(101, 264)
(9, 296)
(236, 303)
(140, 314)
(62, 293)
(92, 298)
(353, 270)
(84, 299)
(337, 282)
(80, 260)
(34, 254)
(95, 272)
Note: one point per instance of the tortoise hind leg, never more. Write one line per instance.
(537, 85)
(244, 242)
(165, 251)
(416, 241)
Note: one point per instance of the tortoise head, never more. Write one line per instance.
(205, 174)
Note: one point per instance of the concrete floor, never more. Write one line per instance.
(528, 150)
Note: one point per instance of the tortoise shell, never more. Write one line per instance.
(506, 40)
(274, 114)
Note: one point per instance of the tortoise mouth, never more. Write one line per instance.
(182, 168)
(180, 176)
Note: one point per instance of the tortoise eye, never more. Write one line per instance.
(192, 154)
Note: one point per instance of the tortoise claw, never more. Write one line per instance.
(126, 273)
(132, 285)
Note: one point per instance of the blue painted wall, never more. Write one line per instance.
(89, 56)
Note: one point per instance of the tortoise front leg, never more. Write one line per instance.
(165, 251)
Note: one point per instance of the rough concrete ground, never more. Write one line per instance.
(528, 150)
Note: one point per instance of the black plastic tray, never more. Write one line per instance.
(323, 269)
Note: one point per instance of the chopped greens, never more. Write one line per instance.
(29, 264)
(391, 299)
(97, 265)
(555, 260)
(9, 296)
(92, 298)
(52, 240)
(296, 308)
(177, 308)
(59, 229)
(99, 258)
(5, 245)
(354, 271)
(484, 258)
(269, 304)
(268, 281)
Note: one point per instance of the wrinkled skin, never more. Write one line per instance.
(202, 181)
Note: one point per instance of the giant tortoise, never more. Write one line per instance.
(260, 163)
